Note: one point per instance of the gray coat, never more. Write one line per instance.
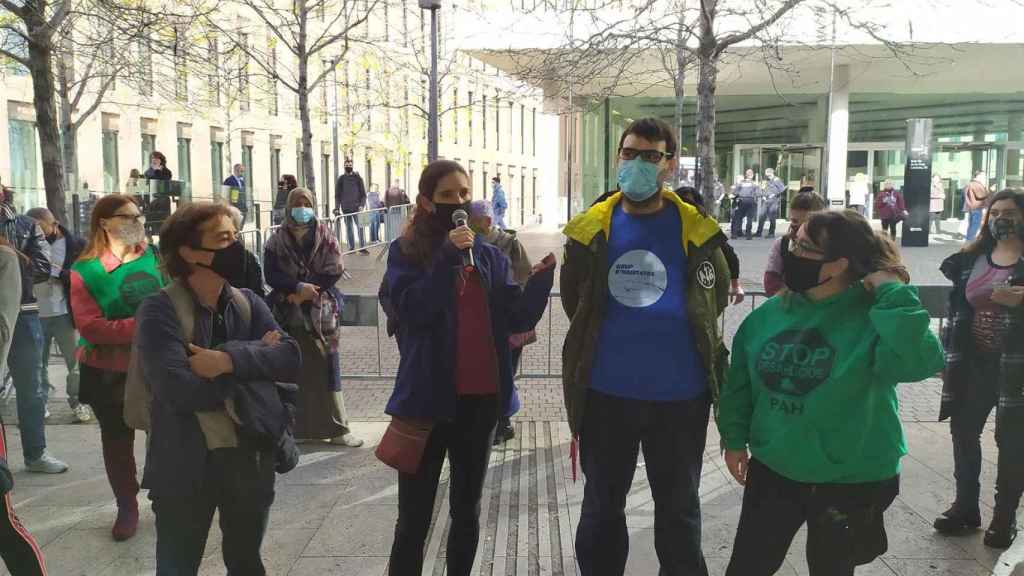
(10, 299)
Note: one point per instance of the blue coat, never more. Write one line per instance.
(420, 304)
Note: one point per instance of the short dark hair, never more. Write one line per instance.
(654, 130)
(159, 156)
(808, 202)
(39, 213)
(182, 229)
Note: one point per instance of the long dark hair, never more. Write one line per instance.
(423, 235)
(847, 234)
(985, 242)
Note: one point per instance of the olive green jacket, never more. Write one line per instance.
(584, 288)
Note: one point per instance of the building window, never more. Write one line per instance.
(214, 56)
(369, 171)
(387, 23)
(243, 74)
(247, 163)
(469, 117)
(511, 117)
(300, 172)
(217, 165)
(423, 105)
(275, 168)
(111, 171)
(325, 175)
(405, 23)
(533, 131)
(324, 104)
(185, 161)
(497, 123)
(24, 174)
(369, 107)
(148, 146)
(145, 67)
(484, 117)
(272, 108)
(180, 66)
(455, 116)
(522, 129)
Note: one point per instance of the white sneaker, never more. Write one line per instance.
(46, 413)
(348, 440)
(82, 413)
(46, 464)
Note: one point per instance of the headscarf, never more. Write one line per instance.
(296, 228)
(324, 258)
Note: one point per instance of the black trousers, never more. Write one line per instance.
(239, 483)
(467, 443)
(890, 227)
(19, 550)
(672, 436)
(745, 208)
(845, 527)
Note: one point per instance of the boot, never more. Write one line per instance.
(1003, 529)
(954, 521)
(119, 459)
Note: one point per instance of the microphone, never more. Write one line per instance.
(461, 218)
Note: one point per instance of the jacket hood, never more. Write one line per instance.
(697, 228)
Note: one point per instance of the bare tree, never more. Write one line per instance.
(303, 32)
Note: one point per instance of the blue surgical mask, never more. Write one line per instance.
(303, 214)
(638, 179)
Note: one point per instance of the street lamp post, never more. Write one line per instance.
(334, 145)
(433, 6)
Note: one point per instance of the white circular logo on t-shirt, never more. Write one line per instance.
(637, 279)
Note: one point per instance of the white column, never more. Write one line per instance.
(838, 136)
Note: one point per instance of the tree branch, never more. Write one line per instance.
(732, 39)
(7, 54)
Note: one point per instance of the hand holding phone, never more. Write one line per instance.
(1008, 295)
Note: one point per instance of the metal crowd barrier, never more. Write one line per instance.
(366, 353)
(379, 225)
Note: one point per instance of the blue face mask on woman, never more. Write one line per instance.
(638, 179)
(302, 214)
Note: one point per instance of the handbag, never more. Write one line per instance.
(404, 443)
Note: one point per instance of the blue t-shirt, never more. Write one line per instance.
(646, 349)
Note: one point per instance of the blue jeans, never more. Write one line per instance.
(974, 223)
(61, 329)
(25, 360)
(375, 227)
(351, 224)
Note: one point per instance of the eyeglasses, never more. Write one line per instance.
(130, 217)
(803, 247)
(652, 156)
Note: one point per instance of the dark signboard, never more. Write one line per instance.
(917, 179)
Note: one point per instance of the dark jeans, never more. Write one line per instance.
(19, 550)
(467, 442)
(966, 425)
(745, 208)
(25, 362)
(672, 435)
(239, 483)
(845, 524)
(890, 226)
(351, 225)
(771, 214)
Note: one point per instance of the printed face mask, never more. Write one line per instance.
(802, 274)
(302, 214)
(132, 232)
(638, 179)
(1003, 228)
(228, 262)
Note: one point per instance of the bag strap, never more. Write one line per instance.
(243, 305)
(184, 308)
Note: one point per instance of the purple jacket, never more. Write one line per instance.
(420, 304)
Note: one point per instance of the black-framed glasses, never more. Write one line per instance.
(652, 156)
(803, 248)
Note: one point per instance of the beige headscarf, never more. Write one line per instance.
(299, 230)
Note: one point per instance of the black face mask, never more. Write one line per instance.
(228, 262)
(442, 216)
(51, 238)
(801, 274)
(348, 169)
(1003, 228)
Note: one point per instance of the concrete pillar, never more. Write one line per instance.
(1015, 133)
(838, 137)
(817, 124)
(977, 156)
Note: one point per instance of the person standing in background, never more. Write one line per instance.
(250, 274)
(158, 169)
(937, 202)
(975, 194)
(498, 202)
(376, 205)
(801, 207)
(237, 195)
(285, 185)
(890, 207)
(774, 192)
(859, 191)
(19, 550)
(349, 198)
(395, 196)
(26, 354)
(745, 195)
(55, 316)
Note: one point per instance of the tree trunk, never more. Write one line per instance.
(69, 140)
(44, 94)
(307, 131)
(706, 89)
(680, 92)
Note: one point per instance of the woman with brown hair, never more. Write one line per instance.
(809, 414)
(984, 341)
(115, 273)
(452, 303)
(302, 263)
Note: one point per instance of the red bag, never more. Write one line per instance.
(403, 444)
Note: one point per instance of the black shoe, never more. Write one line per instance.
(504, 434)
(1000, 537)
(364, 251)
(758, 235)
(953, 522)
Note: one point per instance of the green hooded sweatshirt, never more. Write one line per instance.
(812, 385)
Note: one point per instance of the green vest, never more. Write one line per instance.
(119, 292)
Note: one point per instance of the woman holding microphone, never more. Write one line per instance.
(452, 304)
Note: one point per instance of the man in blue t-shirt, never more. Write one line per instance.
(643, 283)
